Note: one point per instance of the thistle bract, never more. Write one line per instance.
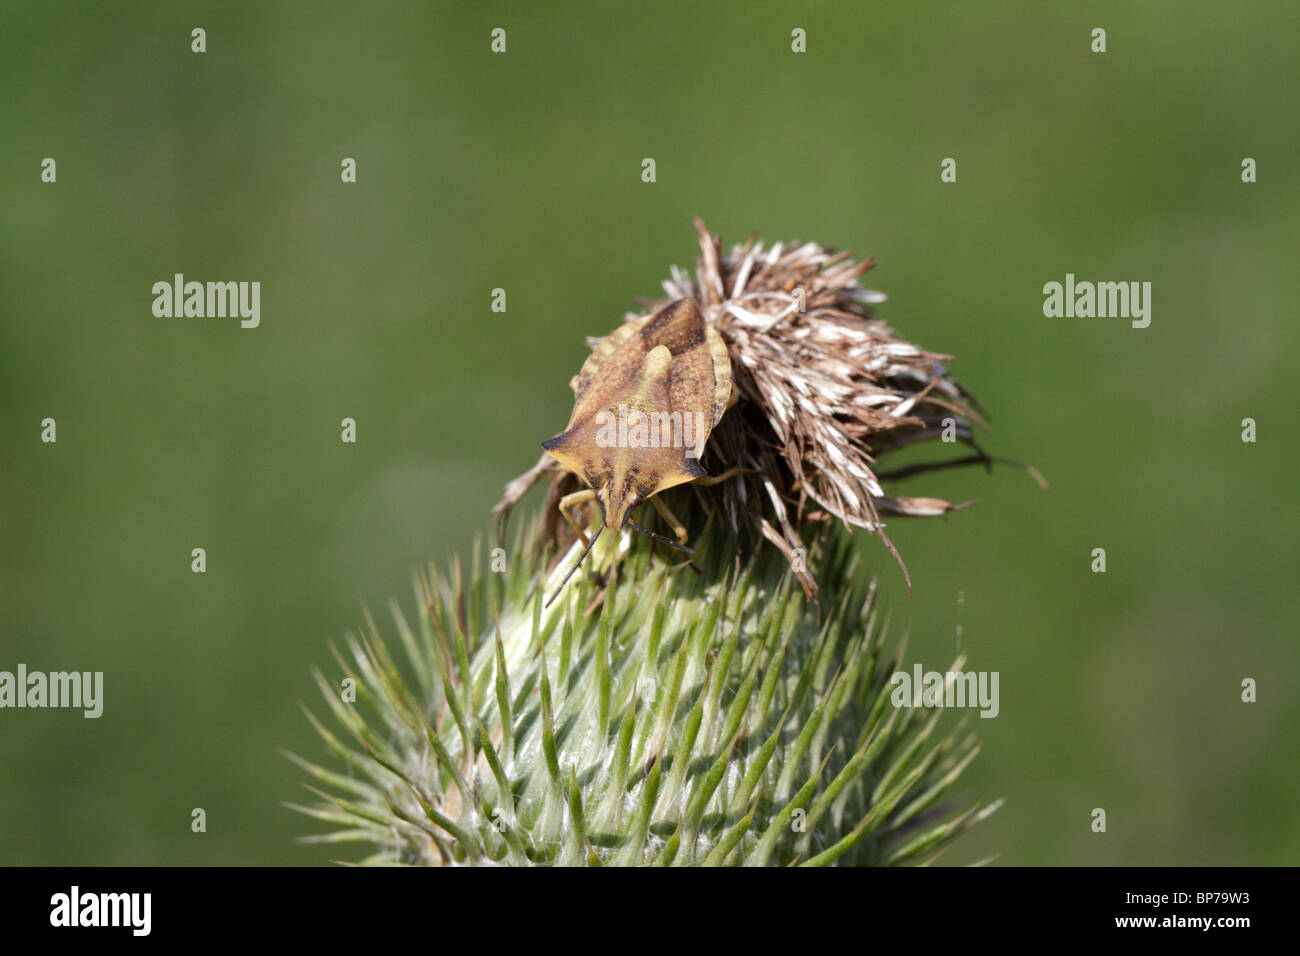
(651, 716)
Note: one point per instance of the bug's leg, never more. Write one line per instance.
(569, 501)
(516, 490)
(674, 522)
(717, 479)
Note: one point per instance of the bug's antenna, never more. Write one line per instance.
(662, 540)
(582, 557)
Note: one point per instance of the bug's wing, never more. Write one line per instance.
(608, 379)
(615, 365)
(671, 362)
(701, 370)
(603, 350)
(721, 371)
(680, 327)
(611, 375)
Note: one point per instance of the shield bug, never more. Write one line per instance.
(645, 402)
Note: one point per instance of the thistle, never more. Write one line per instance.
(654, 716)
(708, 719)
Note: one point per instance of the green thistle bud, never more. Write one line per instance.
(664, 718)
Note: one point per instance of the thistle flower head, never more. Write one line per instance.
(707, 719)
(652, 716)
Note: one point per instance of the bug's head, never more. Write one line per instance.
(616, 511)
(616, 502)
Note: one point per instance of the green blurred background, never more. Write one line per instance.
(522, 171)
